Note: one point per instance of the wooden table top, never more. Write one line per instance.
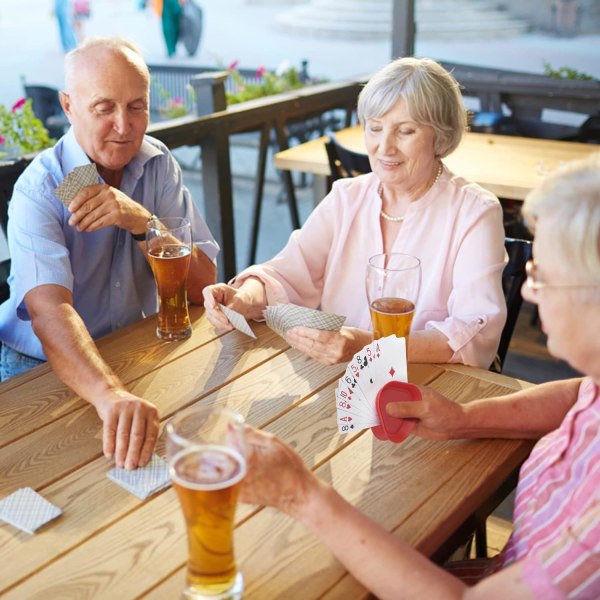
(508, 166)
(109, 544)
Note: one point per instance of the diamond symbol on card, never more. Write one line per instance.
(392, 371)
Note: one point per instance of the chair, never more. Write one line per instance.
(46, 106)
(514, 276)
(344, 162)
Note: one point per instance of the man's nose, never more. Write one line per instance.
(121, 121)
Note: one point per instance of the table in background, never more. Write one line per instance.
(508, 166)
(109, 544)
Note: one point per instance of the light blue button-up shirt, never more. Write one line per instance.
(108, 275)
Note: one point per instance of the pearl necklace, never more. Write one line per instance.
(400, 219)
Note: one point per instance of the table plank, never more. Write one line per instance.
(131, 352)
(67, 443)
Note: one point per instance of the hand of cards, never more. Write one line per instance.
(281, 317)
(378, 369)
(75, 181)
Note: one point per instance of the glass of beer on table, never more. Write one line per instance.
(169, 246)
(207, 462)
(393, 284)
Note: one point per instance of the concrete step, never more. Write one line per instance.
(371, 19)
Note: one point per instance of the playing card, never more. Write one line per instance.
(389, 360)
(369, 370)
(281, 317)
(237, 320)
(143, 481)
(75, 181)
(27, 510)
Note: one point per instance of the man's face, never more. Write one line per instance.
(107, 106)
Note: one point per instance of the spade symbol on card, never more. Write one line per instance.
(379, 362)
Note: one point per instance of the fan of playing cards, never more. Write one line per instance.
(369, 373)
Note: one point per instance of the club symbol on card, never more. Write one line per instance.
(381, 361)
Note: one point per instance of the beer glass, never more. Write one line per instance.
(169, 246)
(393, 284)
(207, 462)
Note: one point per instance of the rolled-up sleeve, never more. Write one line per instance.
(476, 305)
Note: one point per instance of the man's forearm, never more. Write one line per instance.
(73, 354)
(202, 272)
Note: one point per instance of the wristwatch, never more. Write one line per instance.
(140, 237)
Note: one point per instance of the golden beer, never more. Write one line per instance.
(170, 265)
(392, 316)
(207, 480)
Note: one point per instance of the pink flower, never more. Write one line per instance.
(2, 139)
(177, 100)
(260, 72)
(233, 65)
(18, 104)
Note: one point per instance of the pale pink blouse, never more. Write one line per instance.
(455, 229)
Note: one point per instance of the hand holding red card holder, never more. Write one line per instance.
(392, 428)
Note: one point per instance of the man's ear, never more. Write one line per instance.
(65, 102)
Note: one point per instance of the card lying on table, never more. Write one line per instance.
(143, 481)
(377, 363)
(281, 317)
(27, 510)
(75, 181)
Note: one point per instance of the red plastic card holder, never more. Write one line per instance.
(391, 428)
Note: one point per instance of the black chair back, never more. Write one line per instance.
(344, 162)
(513, 278)
(46, 106)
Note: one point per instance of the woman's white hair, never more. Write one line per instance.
(431, 94)
(570, 196)
(114, 44)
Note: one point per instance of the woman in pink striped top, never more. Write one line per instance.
(554, 551)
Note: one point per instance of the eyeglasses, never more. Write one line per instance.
(534, 284)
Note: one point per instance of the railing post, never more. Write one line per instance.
(216, 170)
(209, 88)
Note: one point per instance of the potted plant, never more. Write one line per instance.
(21, 132)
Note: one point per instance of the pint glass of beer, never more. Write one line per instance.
(169, 245)
(207, 462)
(393, 284)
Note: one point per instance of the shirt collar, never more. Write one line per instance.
(74, 156)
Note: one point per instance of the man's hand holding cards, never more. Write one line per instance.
(373, 378)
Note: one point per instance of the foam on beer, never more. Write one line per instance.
(207, 467)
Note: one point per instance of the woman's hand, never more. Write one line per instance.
(276, 476)
(329, 347)
(437, 417)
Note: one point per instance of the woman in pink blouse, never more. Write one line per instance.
(554, 550)
(413, 116)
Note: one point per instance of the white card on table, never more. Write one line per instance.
(27, 510)
(143, 481)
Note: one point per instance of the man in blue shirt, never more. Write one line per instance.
(81, 272)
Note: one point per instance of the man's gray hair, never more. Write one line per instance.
(431, 94)
(114, 44)
(571, 197)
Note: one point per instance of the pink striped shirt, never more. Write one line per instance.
(557, 508)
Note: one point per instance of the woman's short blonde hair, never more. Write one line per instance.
(431, 94)
(571, 197)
